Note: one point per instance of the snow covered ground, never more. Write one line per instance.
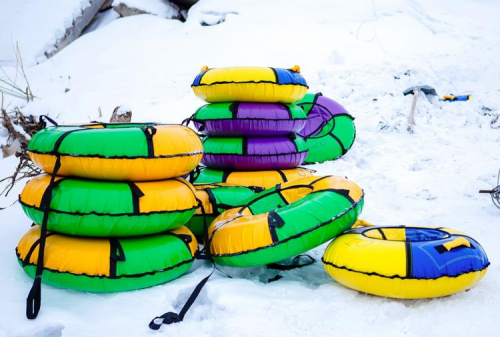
(363, 54)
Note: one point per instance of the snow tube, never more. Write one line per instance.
(249, 119)
(106, 208)
(284, 221)
(406, 262)
(329, 131)
(262, 179)
(109, 264)
(135, 152)
(254, 154)
(250, 84)
(216, 198)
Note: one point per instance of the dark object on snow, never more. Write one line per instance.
(495, 192)
(121, 115)
(427, 90)
(453, 98)
(424, 88)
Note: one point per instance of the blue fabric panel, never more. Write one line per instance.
(423, 234)
(198, 77)
(427, 262)
(286, 76)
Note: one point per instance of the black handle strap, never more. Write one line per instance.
(34, 299)
(43, 124)
(194, 174)
(172, 317)
(295, 264)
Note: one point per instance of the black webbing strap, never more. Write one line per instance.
(34, 299)
(116, 254)
(172, 317)
(202, 124)
(136, 195)
(149, 132)
(27, 258)
(295, 264)
(194, 174)
(43, 124)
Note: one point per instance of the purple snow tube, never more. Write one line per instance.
(249, 119)
(253, 154)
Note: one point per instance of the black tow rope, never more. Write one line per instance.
(172, 317)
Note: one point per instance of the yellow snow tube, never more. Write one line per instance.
(250, 84)
(126, 151)
(406, 262)
(253, 179)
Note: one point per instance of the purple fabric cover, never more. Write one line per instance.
(277, 153)
(322, 111)
(255, 119)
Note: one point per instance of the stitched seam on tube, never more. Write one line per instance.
(187, 154)
(401, 277)
(113, 278)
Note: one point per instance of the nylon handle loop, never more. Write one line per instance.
(167, 318)
(43, 123)
(34, 299)
(172, 317)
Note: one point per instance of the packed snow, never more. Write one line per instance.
(363, 55)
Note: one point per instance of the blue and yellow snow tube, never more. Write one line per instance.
(250, 84)
(126, 151)
(406, 262)
(108, 264)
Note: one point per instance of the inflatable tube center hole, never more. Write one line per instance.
(406, 234)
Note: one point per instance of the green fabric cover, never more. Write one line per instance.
(102, 208)
(130, 141)
(334, 139)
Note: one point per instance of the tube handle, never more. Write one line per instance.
(458, 242)
(361, 223)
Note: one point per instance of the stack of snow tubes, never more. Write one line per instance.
(109, 212)
(250, 135)
(252, 138)
(251, 125)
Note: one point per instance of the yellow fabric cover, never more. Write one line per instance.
(265, 179)
(404, 288)
(69, 253)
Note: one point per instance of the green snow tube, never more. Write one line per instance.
(216, 198)
(329, 131)
(106, 208)
(109, 264)
(285, 221)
